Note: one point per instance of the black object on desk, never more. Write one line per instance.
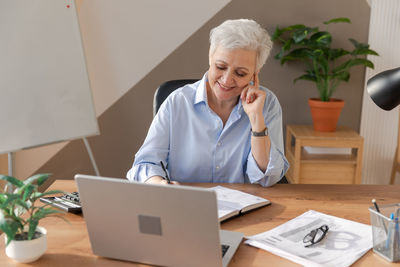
(166, 173)
(69, 202)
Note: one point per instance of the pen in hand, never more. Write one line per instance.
(166, 173)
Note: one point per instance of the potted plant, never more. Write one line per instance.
(19, 217)
(325, 66)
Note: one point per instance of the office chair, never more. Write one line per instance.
(165, 89)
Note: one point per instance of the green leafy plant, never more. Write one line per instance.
(19, 217)
(313, 47)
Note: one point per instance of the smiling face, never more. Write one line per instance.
(231, 70)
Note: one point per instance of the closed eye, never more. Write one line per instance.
(239, 73)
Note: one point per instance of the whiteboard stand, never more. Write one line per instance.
(10, 170)
(89, 150)
(11, 163)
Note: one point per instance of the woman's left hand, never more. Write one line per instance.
(253, 98)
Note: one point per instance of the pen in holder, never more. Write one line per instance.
(385, 231)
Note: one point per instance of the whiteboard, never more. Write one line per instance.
(45, 95)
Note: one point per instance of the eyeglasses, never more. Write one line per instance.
(315, 236)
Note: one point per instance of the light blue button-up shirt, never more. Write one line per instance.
(188, 136)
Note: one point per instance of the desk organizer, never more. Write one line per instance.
(385, 231)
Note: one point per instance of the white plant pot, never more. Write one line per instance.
(28, 250)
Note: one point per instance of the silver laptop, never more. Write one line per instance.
(154, 224)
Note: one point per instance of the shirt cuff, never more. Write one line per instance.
(142, 172)
(276, 168)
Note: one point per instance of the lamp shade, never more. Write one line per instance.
(384, 89)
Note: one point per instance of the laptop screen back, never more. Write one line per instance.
(154, 224)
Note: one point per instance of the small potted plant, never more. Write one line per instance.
(325, 66)
(19, 217)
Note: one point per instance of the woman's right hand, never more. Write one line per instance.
(158, 180)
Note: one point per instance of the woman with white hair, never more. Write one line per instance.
(225, 128)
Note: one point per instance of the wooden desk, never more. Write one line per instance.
(68, 244)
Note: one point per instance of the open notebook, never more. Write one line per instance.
(233, 202)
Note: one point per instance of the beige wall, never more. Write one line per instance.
(124, 125)
(124, 39)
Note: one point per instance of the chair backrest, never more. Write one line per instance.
(165, 89)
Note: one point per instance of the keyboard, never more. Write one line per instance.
(72, 197)
(69, 202)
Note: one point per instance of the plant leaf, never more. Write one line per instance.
(3, 198)
(364, 51)
(301, 34)
(32, 228)
(293, 27)
(299, 54)
(9, 226)
(12, 180)
(307, 77)
(343, 76)
(321, 38)
(37, 195)
(336, 20)
(279, 31)
(335, 53)
(11, 199)
(358, 44)
(23, 204)
(279, 55)
(354, 62)
(39, 178)
(44, 212)
(27, 192)
(286, 46)
(323, 64)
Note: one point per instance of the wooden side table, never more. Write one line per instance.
(306, 168)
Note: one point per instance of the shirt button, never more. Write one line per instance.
(217, 167)
(219, 144)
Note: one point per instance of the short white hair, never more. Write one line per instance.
(243, 34)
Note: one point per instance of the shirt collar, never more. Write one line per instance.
(201, 96)
(201, 92)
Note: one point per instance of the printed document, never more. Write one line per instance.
(345, 242)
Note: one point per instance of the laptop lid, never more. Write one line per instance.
(153, 224)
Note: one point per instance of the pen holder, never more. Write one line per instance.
(385, 231)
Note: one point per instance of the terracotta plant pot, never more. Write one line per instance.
(325, 115)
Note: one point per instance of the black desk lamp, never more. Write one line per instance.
(384, 89)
